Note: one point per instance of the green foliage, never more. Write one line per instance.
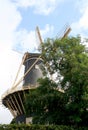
(69, 60)
(44, 105)
(39, 127)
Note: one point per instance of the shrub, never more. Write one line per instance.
(39, 127)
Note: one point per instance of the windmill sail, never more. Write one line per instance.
(38, 38)
(64, 32)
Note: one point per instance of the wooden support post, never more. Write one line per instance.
(20, 111)
(21, 102)
(9, 106)
(15, 107)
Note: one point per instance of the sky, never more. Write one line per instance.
(18, 20)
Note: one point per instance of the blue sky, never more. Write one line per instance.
(18, 20)
(64, 12)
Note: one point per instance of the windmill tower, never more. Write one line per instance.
(33, 60)
(14, 98)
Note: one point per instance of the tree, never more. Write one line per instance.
(46, 104)
(70, 63)
(67, 61)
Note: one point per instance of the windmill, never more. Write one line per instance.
(14, 98)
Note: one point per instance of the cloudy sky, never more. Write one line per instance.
(18, 20)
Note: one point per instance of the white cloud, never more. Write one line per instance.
(5, 116)
(83, 21)
(48, 30)
(26, 40)
(9, 20)
(29, 41)
(82, 24)
(43, 7)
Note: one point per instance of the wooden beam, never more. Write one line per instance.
(20, 111)
(15, 107)
(21, 102)
(27, 72)
(10, 108)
